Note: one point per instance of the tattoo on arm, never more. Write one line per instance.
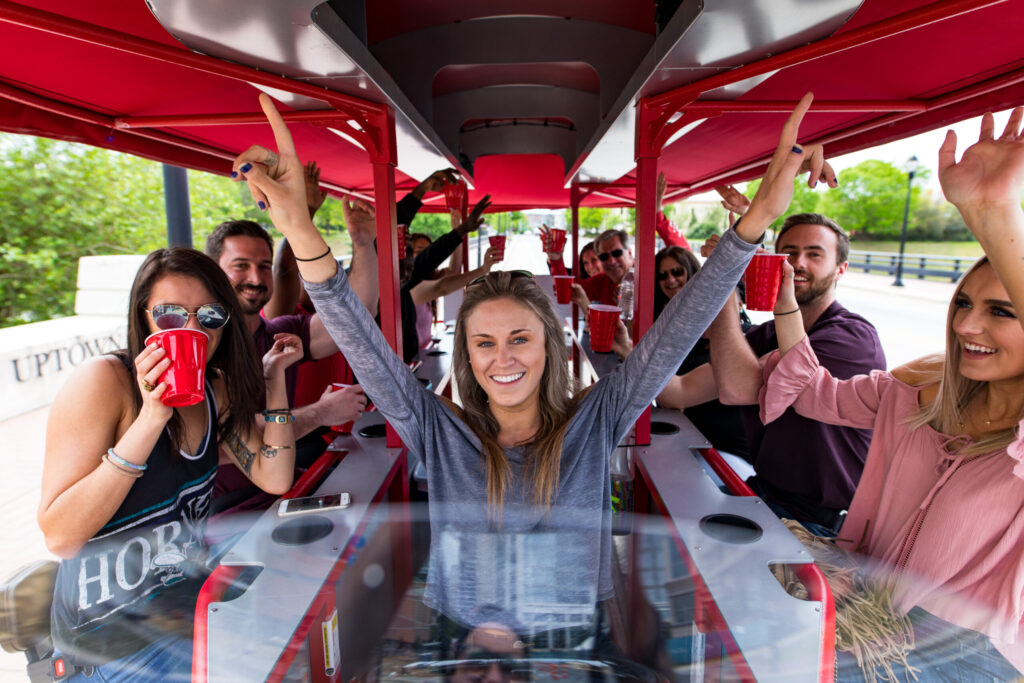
(243, 456)
(268, 451)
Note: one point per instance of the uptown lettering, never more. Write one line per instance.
(57, 359)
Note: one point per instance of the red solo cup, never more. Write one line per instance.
(762, 280)
(498, 244)
(455, 195)
(345, 428)
(187, 351)
(563, 288)
(402, 235)
(557, 240)
(602, 326)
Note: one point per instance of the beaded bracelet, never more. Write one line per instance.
(121, 461)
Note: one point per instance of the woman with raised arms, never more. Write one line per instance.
(526, 452)
(939, 511)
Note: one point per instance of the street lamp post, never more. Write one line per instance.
(912, 165)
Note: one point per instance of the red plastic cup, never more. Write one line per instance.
(498, 244)
(187, 351)
(762, 280)
(557, 240)
(402, 235)
(563, 288)
(345, 428)
(455, 195)
(602, 326)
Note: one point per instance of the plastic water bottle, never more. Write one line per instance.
(626, 296)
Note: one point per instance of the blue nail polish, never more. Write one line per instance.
(263, 207)
(796, 150)
(246, 167)
(234, 174)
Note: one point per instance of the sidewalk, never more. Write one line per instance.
(927, 290)
(21, 473)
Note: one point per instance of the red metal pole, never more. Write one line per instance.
(648, 150)
(326, 116)
(387, 245)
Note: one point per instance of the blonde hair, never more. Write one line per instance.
(945, 413)
(557, 399)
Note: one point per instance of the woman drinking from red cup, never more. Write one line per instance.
(127, 479)
(526, 452)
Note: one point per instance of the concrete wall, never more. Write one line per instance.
(36, 359)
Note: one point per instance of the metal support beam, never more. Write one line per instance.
(387, 245)
(177, 206)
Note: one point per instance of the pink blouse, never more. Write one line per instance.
(952, 526)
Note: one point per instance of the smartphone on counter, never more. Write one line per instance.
(299, 506)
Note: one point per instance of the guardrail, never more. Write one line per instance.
(914, 265)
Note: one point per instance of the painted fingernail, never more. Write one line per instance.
(234, 174)
(797, 149)
(263, 207)
(246, 167)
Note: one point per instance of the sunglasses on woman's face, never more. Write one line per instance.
(513, 273)
(614, 253)
(175, 316)
(676, 272)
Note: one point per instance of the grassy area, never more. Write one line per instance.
(964, 249)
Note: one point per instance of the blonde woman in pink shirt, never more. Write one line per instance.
(939, 510)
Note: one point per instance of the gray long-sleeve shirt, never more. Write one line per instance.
(537, 557)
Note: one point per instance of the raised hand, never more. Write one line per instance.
(475, 218)
(286, 351)
(991, 171)
(360, 220)
(734, 201)
(787, 293)
(490, 258)
(435, 182)
(661, 187)
(776, 189)
(314, 195)
(709, 245)
(276, 180)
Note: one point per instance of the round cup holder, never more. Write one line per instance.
(375, 431)
(437, 352)
(302, 530)
(731, 528)
(663, 428)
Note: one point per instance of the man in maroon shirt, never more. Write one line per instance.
(805, 470)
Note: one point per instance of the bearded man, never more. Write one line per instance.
(804, 469)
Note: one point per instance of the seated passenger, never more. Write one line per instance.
(525, 441)
(127, 481)
(244, 252)
(804, 469)
(938, 512)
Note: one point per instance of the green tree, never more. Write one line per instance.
(870, 199)
(805, 199)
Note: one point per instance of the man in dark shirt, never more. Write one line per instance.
(616, 259)
(805, 470)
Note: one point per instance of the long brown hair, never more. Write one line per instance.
(557, 400)
(235, 357)
(945, 413)
(683, 257)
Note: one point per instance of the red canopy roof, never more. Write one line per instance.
(548, 109)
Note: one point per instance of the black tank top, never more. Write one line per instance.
(137, 579)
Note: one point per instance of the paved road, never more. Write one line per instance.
(910, 323)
